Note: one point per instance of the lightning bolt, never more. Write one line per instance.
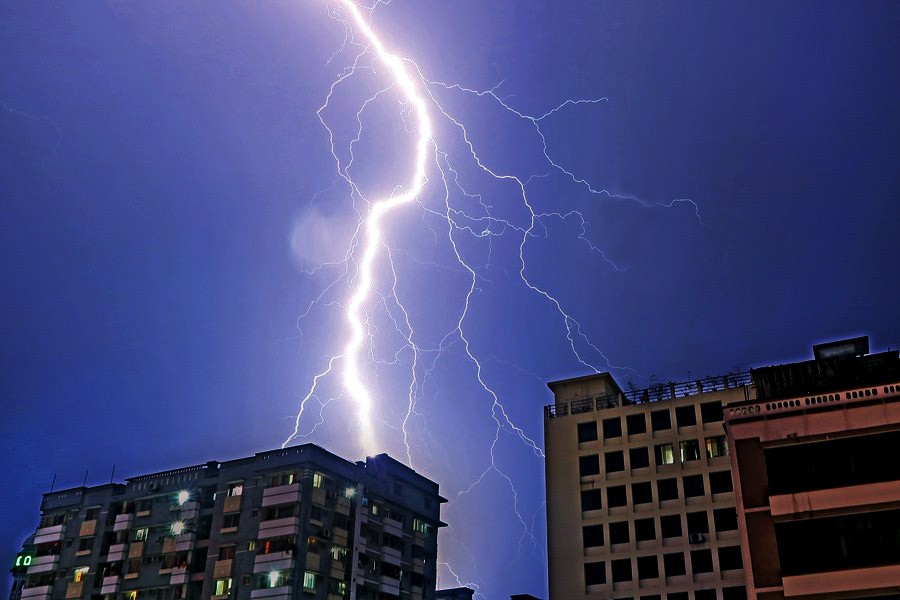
(449, 222)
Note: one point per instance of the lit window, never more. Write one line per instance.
(177, 528)
(690, 450)
(132, 595)
(338, 553)
(236, 489)
(80, 572)
(183, 496)
(716, 446)
(251, 546)
(309, 580)
(420, 526)
(140, 535)
(665, 454)
(275, 579)
(318, 480)
(223, 586)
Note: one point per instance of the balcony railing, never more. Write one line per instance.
(656, 393)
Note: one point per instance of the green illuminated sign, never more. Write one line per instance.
(23, 561)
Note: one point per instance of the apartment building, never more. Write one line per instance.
(287, 524)
(817, 475)
(640, 502)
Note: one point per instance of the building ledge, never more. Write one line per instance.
(835, 499)
(850, 580)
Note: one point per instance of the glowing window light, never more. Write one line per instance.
(183, 496)
(274, 578)
(178, 528)
(350, 493)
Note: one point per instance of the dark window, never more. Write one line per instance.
(652, 597)
(685, 416)
(737, 592)
(621, 570)
(639, 458)
(587, 432)
(590, 500)
(730, 558)
(670, 526)
(641, 493)
(644, 529)
(636, 424)
(85, 544)
(618, 533)
(612, 428)
(667, 489)
(711, 412)
(674, 565)
(594, 573)
(615, 461)
(231, 520)
(720, 482)
(589, 465)
(690, 450)
(648, 567)
(616, 496)
(677, 595)
(226, 552)
(693, 486)
(697, 522)
(701, 561)
(592, 536)
(660, 420)
(704, 594)
(725, 519)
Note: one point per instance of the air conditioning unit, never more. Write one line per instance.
(696, 538)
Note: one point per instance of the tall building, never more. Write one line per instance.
(640, 502)
(816, 458)
(287, 524)
(457, 593)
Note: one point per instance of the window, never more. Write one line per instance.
(644, 529)
(79, 574)
(639, 457)
(236, 489)
(223, 586)
(648, 567)
(145, 505)
(616, 496)
(677, 596)
(701, 561)
(711, 412)
(636, 424)
(592, 536)
(720, 482)
(615, 461)
(704, 594)
(339, 553)
(140, 535)
(673, 565)
(667, 489)
(251, 546)
(621, 570)
(587, 432)
(420, 526)
(697, 522)
(280, 512)
(590, 500)
(618, 533)
(274, 579)
(730, 558)
(716, 446)
(693, 486)
(594, 573)
(226, 552)
(665, 454)
(725, 519)
(312, 545)
(281, 479)
(660, 420)
(318, 481)
(612, 428)
(641, 493)
(685, 416)
(85, 544)
(231, 521)
(737, 592)
(309, 578)
(690, 450)
(670, 526)
(91, 513)
(587, 465)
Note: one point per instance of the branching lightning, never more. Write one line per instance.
(354, 284)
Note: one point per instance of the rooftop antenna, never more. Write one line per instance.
(85, 478)
(113, 474)
(53, 483)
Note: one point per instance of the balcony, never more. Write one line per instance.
(75, 590)
(41, 592)
(190, 510)
(110, 585)
(390, 585)
(184, 542)
(116, 553)
(872, 579)
(278, 527)
(54, 533)
(391, 555)
(393, 527)
(273, 561)
(277, 593)
(136, 550)
(282, 494)
(179, 576)
(222, 568)
(88, 528)
(41, 564)
(123, 522)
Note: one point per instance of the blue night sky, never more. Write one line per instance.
(166, 190)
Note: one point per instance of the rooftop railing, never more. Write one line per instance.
(658, 392)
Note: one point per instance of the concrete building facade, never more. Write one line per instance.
(293, 523)
(816, 458)
(640, 503)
